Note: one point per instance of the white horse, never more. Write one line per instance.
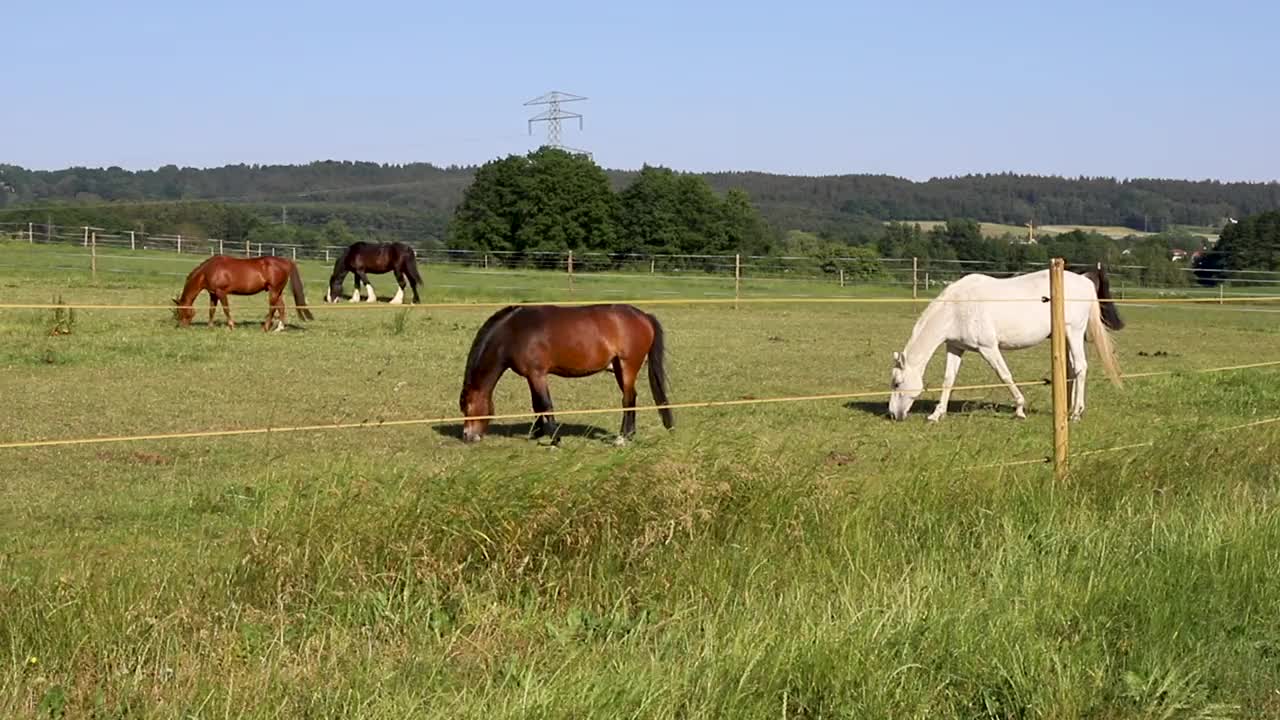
(958, 318)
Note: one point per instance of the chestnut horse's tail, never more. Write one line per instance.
(658, 372)
(298, 298)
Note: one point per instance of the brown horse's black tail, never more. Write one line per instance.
(298, 298)
(411, 269)
(658, 372)
(1110, 316)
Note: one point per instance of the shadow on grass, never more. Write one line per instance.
(924, 407)
(523, 429)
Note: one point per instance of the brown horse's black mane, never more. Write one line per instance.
(483, 335)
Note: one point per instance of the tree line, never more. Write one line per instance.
(552, 200)
(844, 206)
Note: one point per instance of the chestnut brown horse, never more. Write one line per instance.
(223, 276)
(540, 340)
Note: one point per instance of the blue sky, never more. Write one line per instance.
(916, 89)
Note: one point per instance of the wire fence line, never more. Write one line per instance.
(920, 273)
(705, 404)
(371, 306)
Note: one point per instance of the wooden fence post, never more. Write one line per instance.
(1220, 286)
(133, 240)
(651, 265)
(1058, 356)
(31, 233)
(570, 271)
(86, 236)
(326, 255)
(915, 278)
(220, 246)
(295, 253)
(841, 277)
(93, 255)
(179, 243)
(737, 279)
(486, 261)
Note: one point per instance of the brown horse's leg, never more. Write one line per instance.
(226, 309)
(213, 307)
(275, 299)
(626, 373)
(399, 298)
(541, 395)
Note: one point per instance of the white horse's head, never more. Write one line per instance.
(907, 383)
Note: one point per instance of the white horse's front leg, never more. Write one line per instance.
(954, 355)
(368, 287)
(996, 360)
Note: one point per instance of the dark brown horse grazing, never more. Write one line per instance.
(540, 340)
(223, 276)
(362, 258)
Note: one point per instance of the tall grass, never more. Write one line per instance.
(688, 582)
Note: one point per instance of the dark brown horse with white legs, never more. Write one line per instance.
(362, 258)
(540, 340)
(223, 276)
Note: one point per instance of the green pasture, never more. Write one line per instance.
(797, 560)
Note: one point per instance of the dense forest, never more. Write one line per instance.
(836, 205)
(548, 200)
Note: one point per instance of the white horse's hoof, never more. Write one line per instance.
(1020, 414)
(279, 326)
(933, 418)
(619, 441)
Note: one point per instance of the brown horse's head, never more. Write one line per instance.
(183, 314)
(474, 403)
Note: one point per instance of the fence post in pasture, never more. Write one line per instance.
(133, 241)
(220, 246)
(737, 278)
(93, 255)
(179, 244)
(273, 251)
(841, 277)
(651, 265)
(1058, 355)
(295, 253)
(86, 236)
(927, 283)
(259, 249)
(915, 278)
(31, 233)
(247, 251)
(486, 261)
(1220, 286)
(326, 255)
(570, 271)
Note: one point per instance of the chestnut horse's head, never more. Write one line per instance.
(183, 314)
(475, 402)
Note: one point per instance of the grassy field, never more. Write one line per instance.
(794, 560)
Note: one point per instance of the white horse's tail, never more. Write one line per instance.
(1101, 338)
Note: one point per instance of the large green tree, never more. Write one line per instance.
(1253, 243)
(665, 212)
(548, 200)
